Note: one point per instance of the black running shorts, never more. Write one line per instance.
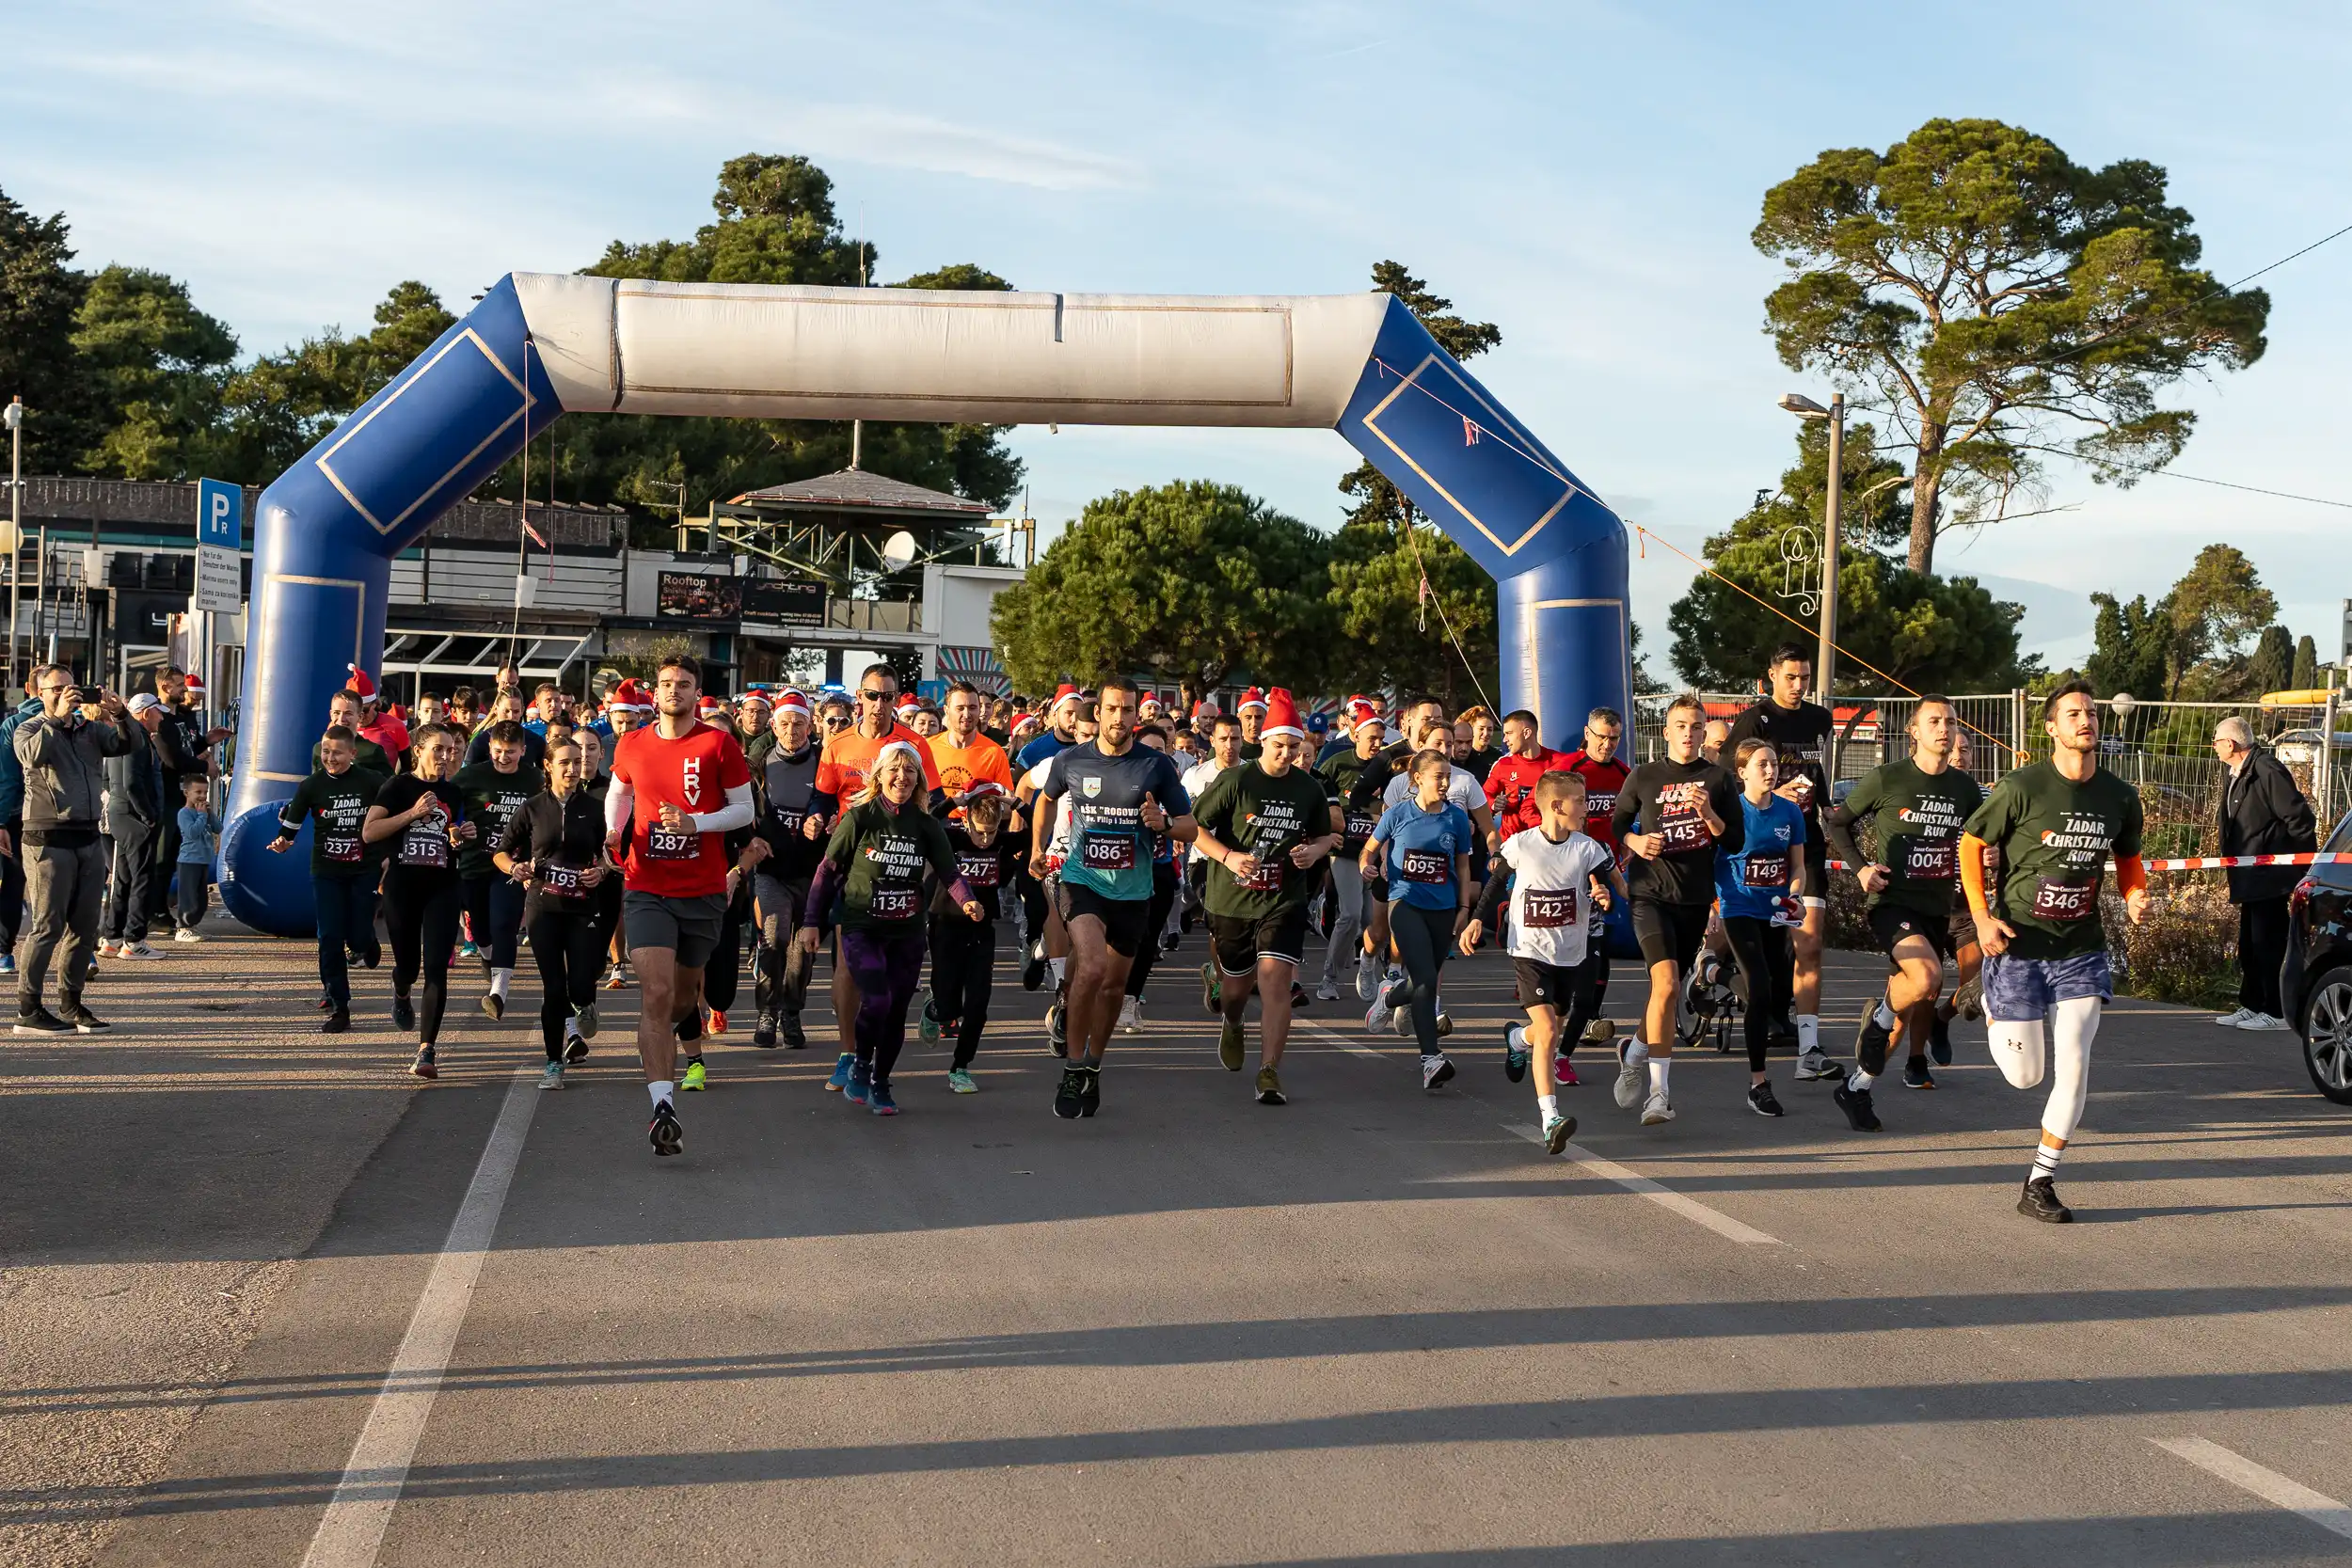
(1127, 922)
(1240, 943)
(1669, 933)
(1543, 985)
(1891, 923)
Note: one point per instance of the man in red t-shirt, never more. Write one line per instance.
(1604, 775)
(1511, 783)
(679, 786)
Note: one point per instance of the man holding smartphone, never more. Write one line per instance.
(63, 750)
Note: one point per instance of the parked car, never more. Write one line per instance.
(2318, 984)
(2297, 746)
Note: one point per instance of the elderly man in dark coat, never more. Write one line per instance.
(2262, 813)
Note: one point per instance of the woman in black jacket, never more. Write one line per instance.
(554, 845)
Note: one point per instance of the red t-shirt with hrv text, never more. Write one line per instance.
(692, 773)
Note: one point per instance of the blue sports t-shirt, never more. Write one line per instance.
(1110, 848)
(1038, 748)
(1749, 883)
(1420, 849)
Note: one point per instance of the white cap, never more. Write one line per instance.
(142, 700)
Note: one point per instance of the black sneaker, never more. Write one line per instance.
(1856, 1105)
(1033, 972)
(1869, 1046)
(424, 1067)
(1069, 1095)
(1300, 996)
(1760, 1101)
(764, 1032)
(1916, 1074)
(373, 956)
(336, 1022)
(1057, 1028)
(41, 1020)
(574, 1048)
(493, 1003)
(795, 1037)
(404, 1015)
(71, 1009)
(663, 1132)
(2040, 1201)
(1090, 1092)
(1940, 1038)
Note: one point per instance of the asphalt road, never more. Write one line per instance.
(1374, 1325)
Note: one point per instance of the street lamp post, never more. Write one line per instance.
(14, 417)
(1825, 657)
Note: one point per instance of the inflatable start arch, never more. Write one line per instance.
(542, 345)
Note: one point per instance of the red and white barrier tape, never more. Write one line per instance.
(2214, 862)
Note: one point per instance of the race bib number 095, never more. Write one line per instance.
(1423, 866)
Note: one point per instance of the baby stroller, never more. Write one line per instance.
(1710, 1003)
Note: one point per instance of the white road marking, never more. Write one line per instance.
(352, 1533)
(1354, 1048)
(2269, 1485)
(1690, 1209)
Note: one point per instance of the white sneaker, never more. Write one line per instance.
(1327, 992)
(1367, 978)
(1130, 1016)
(2236, 1020)
(1656, 1110)
(1376, 1016)
(2261, 1021)
(186, 934)
(135, 950)
(1633, 1078)
(107, 950)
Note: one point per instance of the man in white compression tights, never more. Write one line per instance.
(2055, 824)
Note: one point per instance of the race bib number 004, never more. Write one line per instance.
(1930, 860)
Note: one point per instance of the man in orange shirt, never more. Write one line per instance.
(968, 762)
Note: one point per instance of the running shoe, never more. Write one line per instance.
(1558, 1130)
(403, 1015)
(861, 1085)
(552, 1075)
(576, 1049)
(1565, 1075)
(1916, 1075)
(1033, 972)
(959, 1081)
(1514, 1052)
(2040, 1201)
(1445, 1024)
(1089, 1091)
(2228, 1021)
(714, 1020)
(668, 1137)
(1869, 1046)
(1057, 1028)
(1327, 992)
(136, 950)
(71, 1009)
(1816, 1065)
(41, 1020)
(1212, 1001)
(423, 1065)
(1229, 1045)
(326, 1002)
(1940, 1037)
(1436, 1071)
(764, 1032)
(1170, 941)
(841, 1065)
(1761, 1101)
(1401, 1021)
(1130, 1019)
(1376, 1016)
(588, 1023)
(7, 963)
(614, 979)
(493, 1003)
(1270, 1087)
(187, 934)
(880, 1101)
(795, 1037)
(336, 1022)
(373, 956)
(1298, 994)
(1070, 1094)
(696, 1078)
(1856, 1105)
(1599, 1032)
(1656, 1110)
(1632, 1078)
(468, 950)
(107, 950)
(1367, 978)
(926, 1027)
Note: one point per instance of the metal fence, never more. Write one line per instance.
(2166, 749)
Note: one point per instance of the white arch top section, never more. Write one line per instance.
(764, 352)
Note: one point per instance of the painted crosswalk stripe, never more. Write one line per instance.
(2269, 1485)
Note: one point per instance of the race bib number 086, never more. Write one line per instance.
(1097, 852)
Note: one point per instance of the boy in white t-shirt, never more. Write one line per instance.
(1555, 876)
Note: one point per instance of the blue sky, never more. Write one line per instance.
(1585, 175)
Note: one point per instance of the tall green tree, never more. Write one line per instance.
(154, 367)
(2218, 603)
(2003, 303)
(1198, 580)
(2305, 676)
(1923, 630)
(2273, 660)
(40, 294)
(2131, 647)
(1393, 633)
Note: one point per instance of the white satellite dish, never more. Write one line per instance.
(899, 548)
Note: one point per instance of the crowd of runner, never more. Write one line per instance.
(652, 840)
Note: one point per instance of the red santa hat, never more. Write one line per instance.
(793, 698)
(909, 706)
(711, 706)
(630, 695)
(362, 684)
(1361, 707)
(1064, 694)
(195, 681)
(1249, 699)
(1281, 716)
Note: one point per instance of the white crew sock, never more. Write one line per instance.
(2046, 1162)
(499, 980)
(1514, 1037)
(1859, 1082)
(1055, 965)
(662, 1089)
(1883, 1017)
(1548, 1105)
(1808, 1033)
(571, 1027)
(1657, 1066)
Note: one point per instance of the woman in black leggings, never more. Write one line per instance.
(1757, 889)
(554, 845)
(1421, 849)
(424, 816)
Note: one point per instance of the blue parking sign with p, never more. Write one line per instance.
(220, 514)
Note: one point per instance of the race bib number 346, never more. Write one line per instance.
(2064, 900)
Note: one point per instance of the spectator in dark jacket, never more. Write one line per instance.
(137, 809)
(183, 746)
(64, 749)
(2262, 813)
(12, 831)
